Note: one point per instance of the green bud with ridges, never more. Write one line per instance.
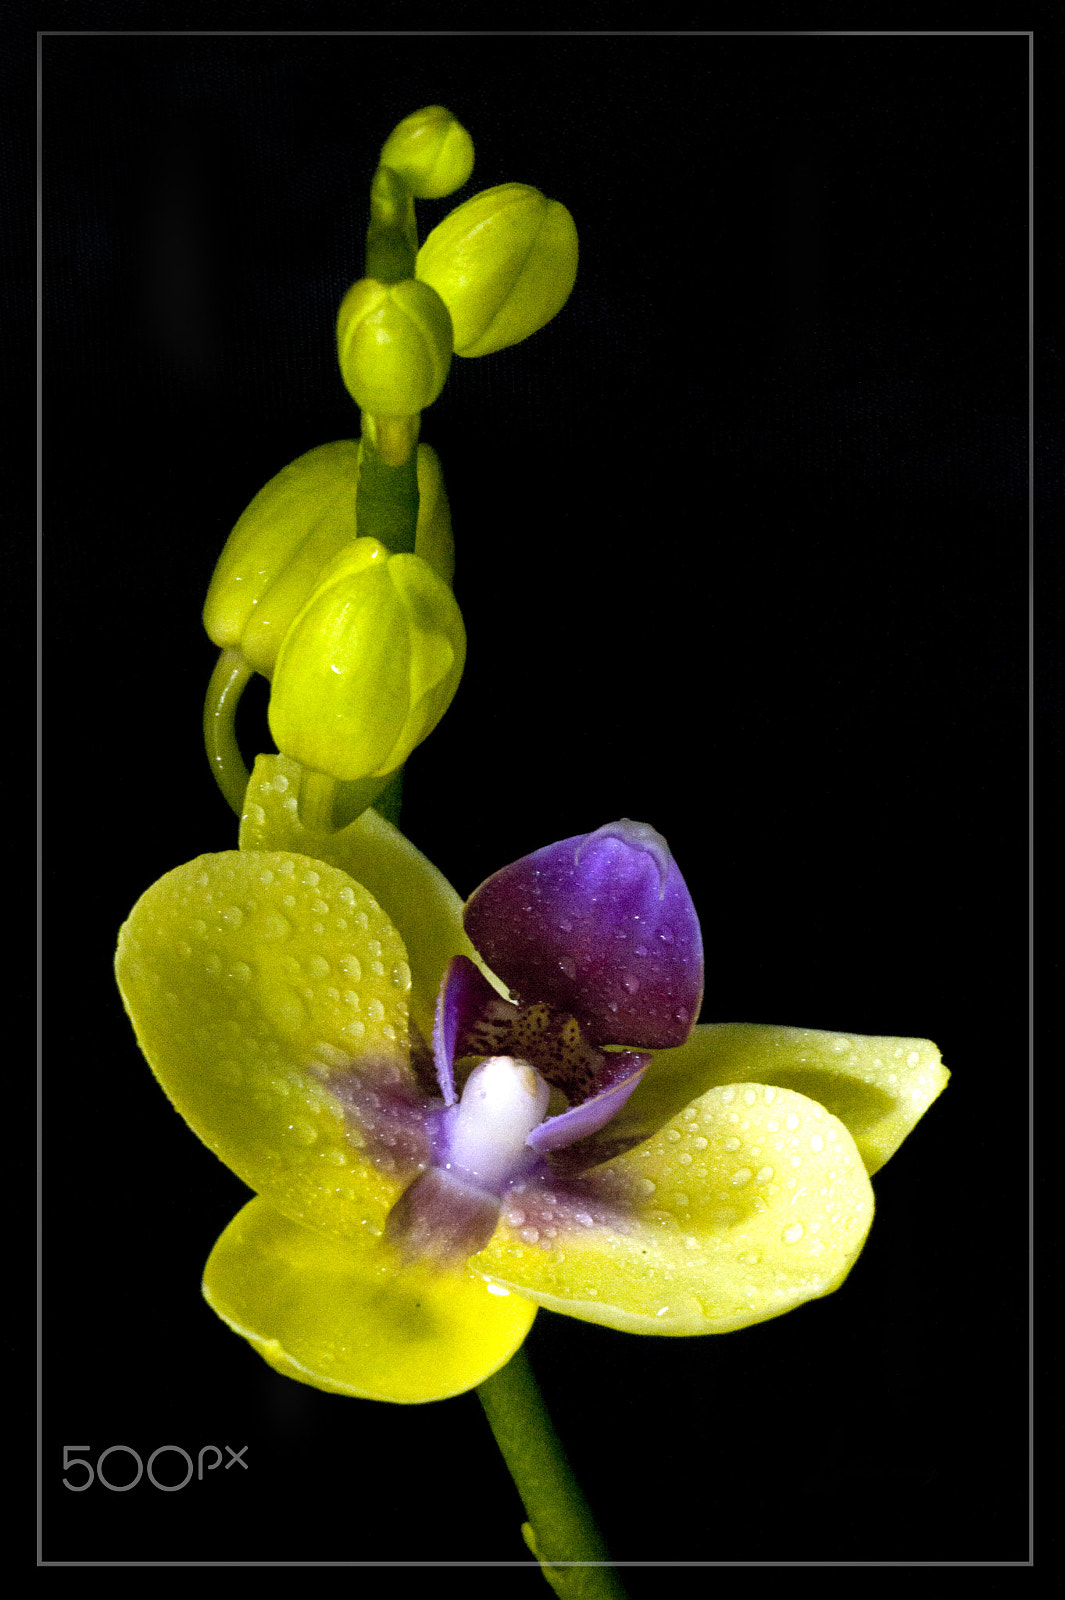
(290, 533)
(369, 666)
(431, 151)
(394, 344)
(503, 263)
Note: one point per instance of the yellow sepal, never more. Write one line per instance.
(879, 1088)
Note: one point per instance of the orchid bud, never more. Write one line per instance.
(503, 263)
(369, 666)
(431, 151)
(290, 533)
(394, 343)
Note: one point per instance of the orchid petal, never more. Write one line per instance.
(269, 994)
(602, 926)
(339, 1315)
(752, 1201)
(878, 1087)
(463, 996)
(582, 1120)
(416, 896)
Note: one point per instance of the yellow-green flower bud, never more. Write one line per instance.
(503, 263)
(277, 550)
(369, 666)
(290, 533)
(394, 343)
(431, 151)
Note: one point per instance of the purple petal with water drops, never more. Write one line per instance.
(602, 926)
(581, 1121)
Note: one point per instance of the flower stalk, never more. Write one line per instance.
(561, 1531)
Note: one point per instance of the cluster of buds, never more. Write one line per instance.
(335, 583)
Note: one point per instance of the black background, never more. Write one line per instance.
(742, 553)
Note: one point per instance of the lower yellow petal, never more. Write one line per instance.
(878, 1087)
(341, 1317)
(749, 1203)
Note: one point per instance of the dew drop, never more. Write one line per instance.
(666, 935)
(241, 971)
(568, 966)
(530, 1235)
(816, 1142)
(700, 1143)
(793, 1233)
(731, 1143)
(233, 915)
(741, 1175)
(565, 925)
(645, 1186)
(764, 1174)
(630, 983)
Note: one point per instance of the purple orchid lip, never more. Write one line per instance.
(601, 926)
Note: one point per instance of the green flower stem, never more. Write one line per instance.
(560, 1527)
(386, 502)
(392, 237)
(228, 682)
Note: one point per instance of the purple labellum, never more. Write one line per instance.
(600, 926)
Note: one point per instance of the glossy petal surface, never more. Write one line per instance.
(879, 1088)
(257, 985)
(340, 1316)
(417, 897)
(752, 1201)
(600, 925)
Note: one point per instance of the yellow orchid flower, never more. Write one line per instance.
(439, 1146)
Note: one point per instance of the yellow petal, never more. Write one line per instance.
(749, 1203)
(418, 899)
(340, 1317)
(879, 1088)
(269, 994)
